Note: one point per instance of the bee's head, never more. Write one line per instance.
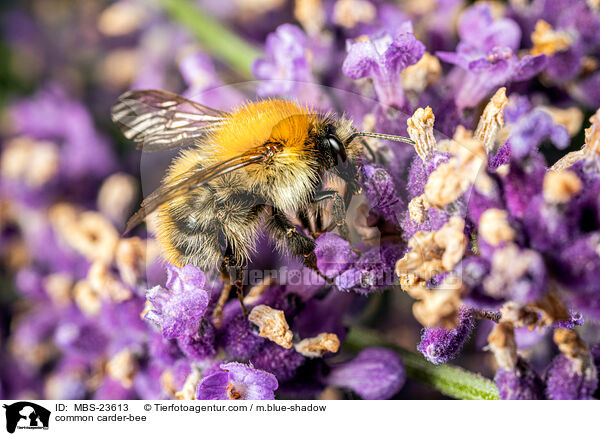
(334, 147)
(336, 152)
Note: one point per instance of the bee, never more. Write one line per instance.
(240, 173)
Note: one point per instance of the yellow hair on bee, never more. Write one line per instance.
(249, 127)
(252, 124)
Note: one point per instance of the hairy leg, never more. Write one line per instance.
(288, 238)
(232, 276)
(339, 209)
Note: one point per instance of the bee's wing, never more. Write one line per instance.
(161, 120)
(190, 180)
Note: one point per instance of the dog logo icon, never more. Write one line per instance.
(26, 415)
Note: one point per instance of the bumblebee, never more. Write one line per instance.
(242, 172)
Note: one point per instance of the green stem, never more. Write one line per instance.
(217, 39)
(449, 380)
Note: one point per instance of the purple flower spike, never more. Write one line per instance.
(487, 56)
(520, 383)
(579, 265)
(80, 337)
(237, 339)
(201, 344)
(566, 380)
(439, 345)
(380, 190)
(478, 29)
(531, 129)
(281, 362)
(179, 309)
(286, 63)
(372, 272)
(382, 59)
(517, 274)
(374, 374)
(238, 381)
(334, 254)
(523, 182)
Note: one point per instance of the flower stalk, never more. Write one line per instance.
(450, 380)
(216, 38)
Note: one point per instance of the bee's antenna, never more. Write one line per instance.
(382, 136)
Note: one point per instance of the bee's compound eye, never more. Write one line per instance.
(337, 148)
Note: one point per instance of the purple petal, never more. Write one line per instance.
(179, 311)
(213, 387)
(374, 374)
(334, 254)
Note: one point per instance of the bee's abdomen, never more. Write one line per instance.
(205, 225)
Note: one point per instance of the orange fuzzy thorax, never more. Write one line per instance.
(253, 124)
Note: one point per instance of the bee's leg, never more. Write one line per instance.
(369, 149)
(339, 210)
(232, 275)
(217, 315)
(308, 222)
(236, 274)
(285, 234)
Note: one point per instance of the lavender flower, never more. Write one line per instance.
(531, 129)
(201, 344)
(381, 192)
(374, 374)
(287, 62)
(486, 55)
(372, 272)
(179, 309)
(80, 337)
(519, 275)
(237, 338)
(44, 116)
(382, 59)
(440, 345)
(237, 381)
(578, 263)
(566, 379)
(281, 362)
(334, 254)
(520, 383)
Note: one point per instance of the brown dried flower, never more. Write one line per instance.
(491, 121)
(501, 341)
(349, 13)
(319, 345)
(311, 15)
(420, 130)
(188, 390)
(439, 306)
(548, 41)
(88, 233)
(272, 325)
(425, 72)
(123, 367)
(494, 227)
(560, 186)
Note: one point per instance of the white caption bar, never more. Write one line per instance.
(284, 418)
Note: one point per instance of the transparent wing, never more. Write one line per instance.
(160, 120)
(188, 181)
